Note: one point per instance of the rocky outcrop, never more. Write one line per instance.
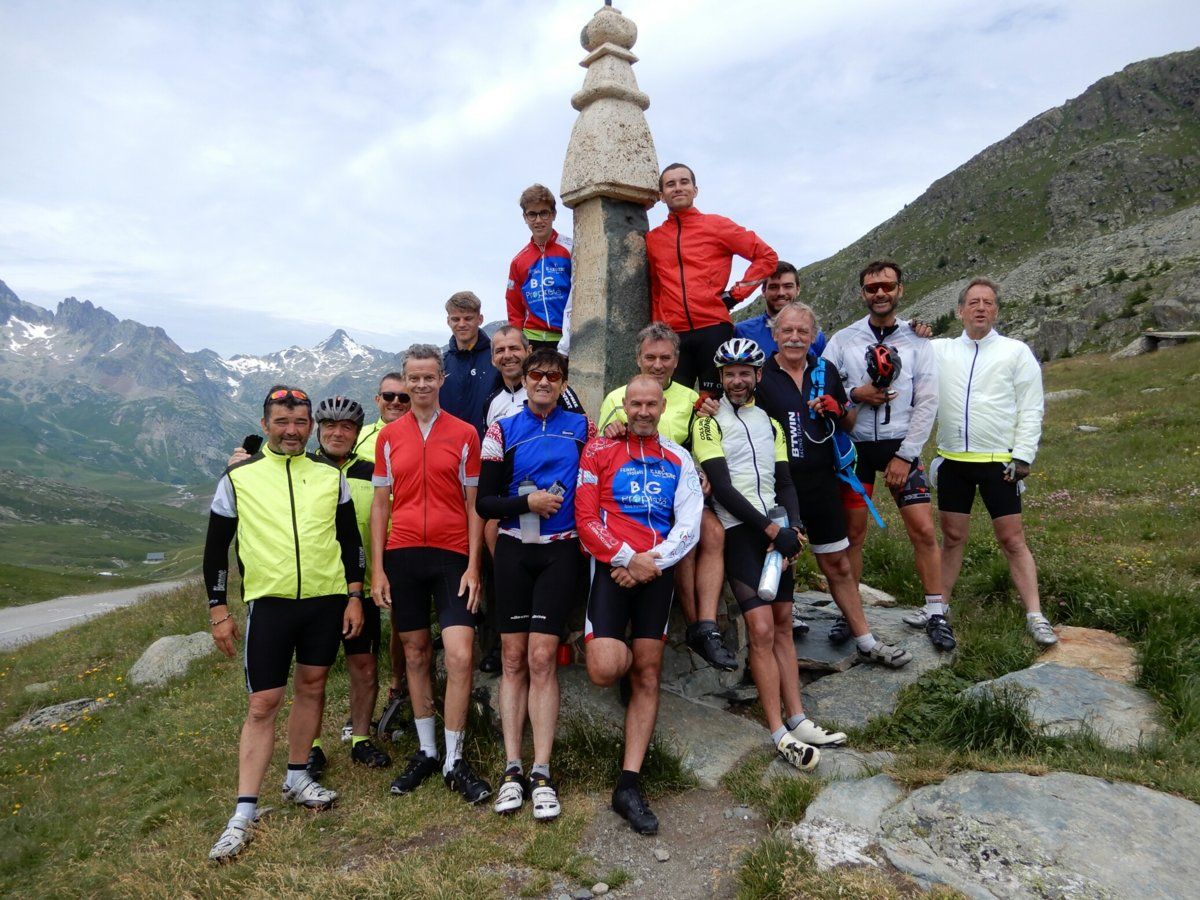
(169, 657)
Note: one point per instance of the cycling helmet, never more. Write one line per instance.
(739, 352)
(883, 365)
(339, 409)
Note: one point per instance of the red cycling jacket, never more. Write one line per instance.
(691, 256)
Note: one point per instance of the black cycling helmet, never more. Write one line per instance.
(339, 409)
(883, 365)
(739, 352)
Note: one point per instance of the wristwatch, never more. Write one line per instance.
(357, 594)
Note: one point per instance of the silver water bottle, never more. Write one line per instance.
(772, 570)
(531, 522)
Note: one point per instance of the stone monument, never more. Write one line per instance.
(610, 179)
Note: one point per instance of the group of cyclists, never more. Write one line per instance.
(716, 463)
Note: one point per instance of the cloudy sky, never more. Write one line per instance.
(254, 175)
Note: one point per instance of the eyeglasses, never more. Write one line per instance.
(535, 214)
(286, 393)
(539, 375)
(886, 286)
(393, 396)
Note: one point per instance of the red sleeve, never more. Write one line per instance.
(748, 245)
(381, 452)
(595, 537)
(473, 454)
(514, 298)
(592, 434)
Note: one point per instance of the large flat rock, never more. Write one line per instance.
(1060, 835)
(169, 657)
(1064, 699)
(854, 697)
(1102, 652)
(843, 822)
(710, 741)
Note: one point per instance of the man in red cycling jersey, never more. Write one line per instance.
(426, 476)
(691, 257)
(637, 510)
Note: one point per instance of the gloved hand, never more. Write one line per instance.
(828, 405)
(1016, 470)
(728, 299)
(787, 542)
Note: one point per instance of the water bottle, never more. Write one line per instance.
(531, 522)
(772, 570)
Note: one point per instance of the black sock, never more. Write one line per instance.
(627, 779)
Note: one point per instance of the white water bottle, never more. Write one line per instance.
(531, 522)
(772, 570)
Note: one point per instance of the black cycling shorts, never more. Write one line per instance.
(820, 498)
(957, 482)
(696, 351)
(278, 630)
(644, 610)
(745, 553)
(425, 576)
(368, 639)
(874, 456)
(535, 585)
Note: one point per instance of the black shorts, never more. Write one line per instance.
(368, 639)
(421, 576)
(278, 630)
(874, 456)
(696, 351)
(535, 585)
(957, 481)
(745, 553)
(644, 609)
(820, 498)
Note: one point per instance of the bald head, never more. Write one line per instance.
(643, 405)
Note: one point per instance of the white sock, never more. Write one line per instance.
(777, 736)
(453, 750)
(247, 807)
(793, 722)
(540, 769)
(427, 735)
(1035, 617)
(866, 642)
(936, 608)
(294, 772)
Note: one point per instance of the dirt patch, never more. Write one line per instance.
(705, 834)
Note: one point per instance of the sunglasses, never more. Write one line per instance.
(539, 375)
(885, 286)
(286, 393)
(393, 396)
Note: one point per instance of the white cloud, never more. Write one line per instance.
(250, 176)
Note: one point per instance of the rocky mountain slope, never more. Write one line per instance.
(1087, 215)
(82, 390)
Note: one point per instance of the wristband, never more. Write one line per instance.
(358, 595)
(228, 616)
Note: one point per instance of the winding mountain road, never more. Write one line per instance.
(22, 624)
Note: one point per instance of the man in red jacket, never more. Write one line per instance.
(691, 257)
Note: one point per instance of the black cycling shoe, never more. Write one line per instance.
(418, 769)
(630, 804)
(392, 719)
(839, 632)
(717, 654)
(367, 754)
(464, 780)
(941, 635)
(316, 763)
(490, 664)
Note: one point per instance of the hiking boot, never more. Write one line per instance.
(490, 664)
(544, 797)
(367, 754)
(795, 751)
(630, 804)
(839, 631)
(886, 655)
(418, 769)
(511, 793)
(392, 719)
(809, 732)
(1042, 631)
(941, 635)
(233, 840)
(308, 793)
(918, 618)
(463, 779)
(315, 767)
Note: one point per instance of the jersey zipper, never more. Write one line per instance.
(753, 457)
(645, 494)
(682, 282)
(967, 402)
(542, 289)
(287, 465)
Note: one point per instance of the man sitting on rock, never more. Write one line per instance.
(989, 423)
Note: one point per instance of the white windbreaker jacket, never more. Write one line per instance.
(991, 399)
